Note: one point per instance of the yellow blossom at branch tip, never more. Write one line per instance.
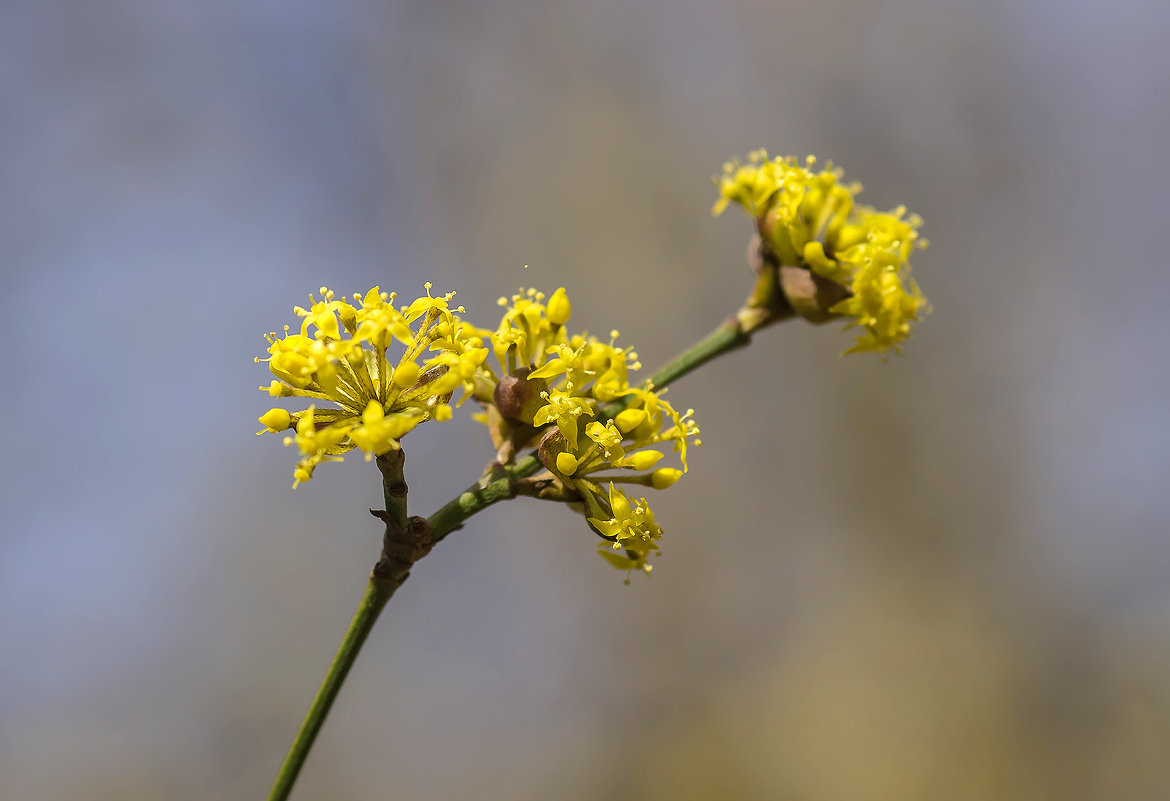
(809, 219)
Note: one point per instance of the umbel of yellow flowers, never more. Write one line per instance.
(340, 355)
(570, 394)
(808, 219)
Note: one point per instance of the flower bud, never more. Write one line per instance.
(642, 460)
(278, 389)
(629, 419)
(405, 375)
(276, 420)
(348, 315)
(663, 477)
(559, 307)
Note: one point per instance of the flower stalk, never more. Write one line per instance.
(377, 593)
(406, 541)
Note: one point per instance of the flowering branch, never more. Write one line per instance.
(566, 399)
(496, 485)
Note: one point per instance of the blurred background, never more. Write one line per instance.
(943, 577)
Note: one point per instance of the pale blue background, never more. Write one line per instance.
(945, 577)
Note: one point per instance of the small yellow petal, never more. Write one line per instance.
(619, 503)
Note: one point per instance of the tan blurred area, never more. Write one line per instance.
(943, 577)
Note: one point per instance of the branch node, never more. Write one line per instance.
(401, 548)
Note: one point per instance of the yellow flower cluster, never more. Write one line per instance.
(340, 356)
(568, 394)
(571, 394)
(809, 220)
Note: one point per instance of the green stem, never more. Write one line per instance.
(378, 592)
(387, 577)
(480, 496)
(727, 337)
(393, 466)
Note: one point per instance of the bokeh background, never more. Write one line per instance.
(943, 577)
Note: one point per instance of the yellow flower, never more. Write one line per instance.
(809, 219)
(340, 356)
(751, 185)
(631, 528)
(579, 376)
(608, 439)
(657, 413)
(527, 329)
(563, 409)
(379, 433)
